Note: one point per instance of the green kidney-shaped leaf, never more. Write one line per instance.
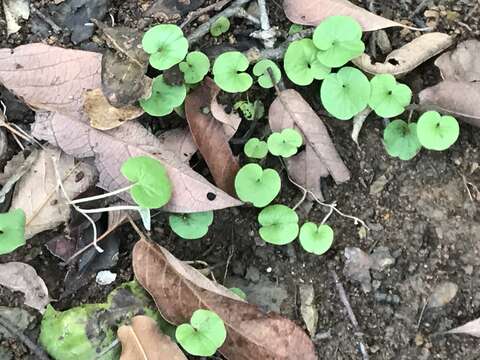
(301, 63)
(388, 98)
(316, 239)
(279, 224)
(345, 93)
(255, 148)
(191, 226)
(204, 335)
(401, 140)
(228, 72)
(339, 39)
(195, 67)
(166, 45)
(264, 76)
(12, 230)
(258, 186)
(436, 132)
(220, 26)
(164, 99)
(151, 185)
(285, 143)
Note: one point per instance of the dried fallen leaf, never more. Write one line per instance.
(321, 158)
(462, 63)
(179, 141)
(143, 341)
(210, 137)
(22, 277)
(104, 116)
(408, 57)
(180, 289)
(172, 9)
(307, 307)
(470, 328)
(15, 11)
(312, 12)
(442, 294)
(38, 195)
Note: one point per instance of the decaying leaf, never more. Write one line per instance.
(312, 12)
(172, 9)
(15, 10)
(179, 141)
(22, 277)
(210, 137)
(321, 158)
(143, 341)
(462, 63)
(104, 116)
(180, 290)
(307, 307)
(470, 328)
(358, 121)
(401, 61)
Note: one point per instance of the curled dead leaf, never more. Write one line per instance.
(461, 64)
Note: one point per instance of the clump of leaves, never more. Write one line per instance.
(191, 226)
(220, 26)
(339, 39)
(195, 67)
(166, 45)
(251, 111)
(151, 186)
(255, 148)
(204, 335)
(388, 98)
(256, 185)
(401, 140)
(316, 239)
(164, 99)
(279, 224)
(436, 132)
(345, 93)
(266, 69)
(301, 63)
(228, 72)
(12, 230)
(285, 143)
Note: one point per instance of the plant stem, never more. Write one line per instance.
(102, 196)
(111, 208)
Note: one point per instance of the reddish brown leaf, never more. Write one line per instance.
(210, 137)
(179, 290)
(312, 12)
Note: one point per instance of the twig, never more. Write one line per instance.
(344, 299)
(34, 348)
(267, 35)
(242, 13)
(56, 29)
(421, 314)
(197, 13)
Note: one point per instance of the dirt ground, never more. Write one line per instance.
(422, 213)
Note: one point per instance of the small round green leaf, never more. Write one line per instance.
(192, 225)
(285, 143)
(401, 140)
(279, 224)
(255, 148)
(264, 77)
(345, 93)
(436, 132)
(316, 239)
(258, 186)
(166, 45)
(239, 292)
(12, 231)
(152, 188)
(388, 98)
(339, 39)
(228, 72)
(220, 26)
(301, 63)
(204, 335)
(164, 98)
(195, 67)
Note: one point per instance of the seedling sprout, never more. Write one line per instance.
(436, 132)
(388, 98)
(255, 148)
(191, 226)
(401, 140)
(164, 98)
(279, 224)
(285, 143)
(256, 185)
(228, 72)
(195, 67)
(220, 26)
(316, 239)
(264, 70)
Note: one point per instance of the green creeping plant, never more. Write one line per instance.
(264, 77)
(228, 72)
(164, 99)
(316, 239)
(166, 45)
(258, 186)
(400, 140)
(191, 226)
(195, 67)
(285, 143)
(436, 132)
(388, 98)
(279, 224)
(255, 148)
(251, 111)
(12, 230)
(220, 26)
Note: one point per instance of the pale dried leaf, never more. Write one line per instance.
(143, 341)
(179, 289)
(312, 12)
(104, 116)
(179, 141)
(442, 294)
(470, 328)
(461, 64)
(307, 307)
(15, 10)
(22, 277)
(38, 195)
(230, 122)
(358, 121)
(401, 61)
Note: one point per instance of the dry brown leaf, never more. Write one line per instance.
(179, 141)
(179, 289)
(312, 12)
(320, 157)
(401, 61)
(143, 341)
(209, 135)
(104, 116)
(470, 328)
(461, 64)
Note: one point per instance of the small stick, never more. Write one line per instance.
(242, 13)
(197, 13)
(344, 299)
(56, 29)
(268, 37)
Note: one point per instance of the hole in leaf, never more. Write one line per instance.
(393, 61)
(211, 196)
